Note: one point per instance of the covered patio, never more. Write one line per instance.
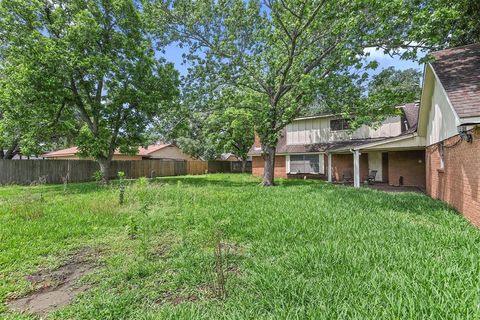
(398, 161)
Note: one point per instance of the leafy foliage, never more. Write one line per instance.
(231, 131)
(387, 90)
(428, 25)
(29, 121)
(190, 136)
(401, 86)
(280, 55)
(91, 59)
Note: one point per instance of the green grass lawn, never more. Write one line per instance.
(301, 250)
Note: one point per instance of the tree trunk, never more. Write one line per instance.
(244, 165)
(269, 168)
(10, 153)
(104, 169)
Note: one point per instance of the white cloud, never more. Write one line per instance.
(375, 52)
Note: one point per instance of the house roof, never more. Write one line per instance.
(151, 149)
(410, 111)
(458, 70)
(411, 115)
(225, 156)
(284, 148)
(144, 152)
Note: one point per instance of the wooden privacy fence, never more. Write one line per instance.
(55, 171)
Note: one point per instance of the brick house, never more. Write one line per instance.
(323, 147)
(450, 119)
(434, 145)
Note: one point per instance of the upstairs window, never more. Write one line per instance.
(339, 125)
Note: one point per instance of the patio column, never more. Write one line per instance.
(356, 169)
(329, 168)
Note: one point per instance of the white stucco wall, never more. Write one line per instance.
(171, 152)
(310, 131)
(442, 119)
(375, 163)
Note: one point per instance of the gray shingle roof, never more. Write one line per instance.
(459, 72)
(410, 110)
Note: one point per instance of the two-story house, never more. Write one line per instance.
(324, 147)
(443, 155)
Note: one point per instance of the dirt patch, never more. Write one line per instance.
(56, 288)
(175, 298)
(232, 248)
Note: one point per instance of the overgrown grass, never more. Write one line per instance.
(301, 250)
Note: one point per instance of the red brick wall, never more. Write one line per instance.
(408, 164)
(257, 143)
(341, 163)
(280, 166)
(459, 182)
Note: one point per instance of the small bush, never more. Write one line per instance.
(142, 182)
(132, 228)
(97, 176)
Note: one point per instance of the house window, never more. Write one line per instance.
(441, 151)
(306, 163)
(339, 124)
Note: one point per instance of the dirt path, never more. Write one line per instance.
(56, 288)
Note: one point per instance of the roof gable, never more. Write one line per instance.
(458, 70)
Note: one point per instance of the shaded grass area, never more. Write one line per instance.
(303, 249)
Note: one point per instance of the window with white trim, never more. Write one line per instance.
(306, 163)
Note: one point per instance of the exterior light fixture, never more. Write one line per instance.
(463, 132)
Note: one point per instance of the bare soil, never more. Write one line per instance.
(55, 288)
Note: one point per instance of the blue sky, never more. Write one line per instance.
(174, 54)
(386, 61)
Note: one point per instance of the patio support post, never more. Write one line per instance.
(329, 168)
(356, 169)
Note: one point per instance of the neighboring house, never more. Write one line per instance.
(155, 151)
(323, 147)
(229, 157)
(450, 105)
(232, 157)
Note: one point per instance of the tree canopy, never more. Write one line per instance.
(231, 131)
(384, 92)
(92, 59)
(281, 54)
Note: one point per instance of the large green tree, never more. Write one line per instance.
(232, 131)
(29, 121)
(399, 86)
(281, 54)
(29, 126)
(93, 59)
(384, 92)
(428, 25)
